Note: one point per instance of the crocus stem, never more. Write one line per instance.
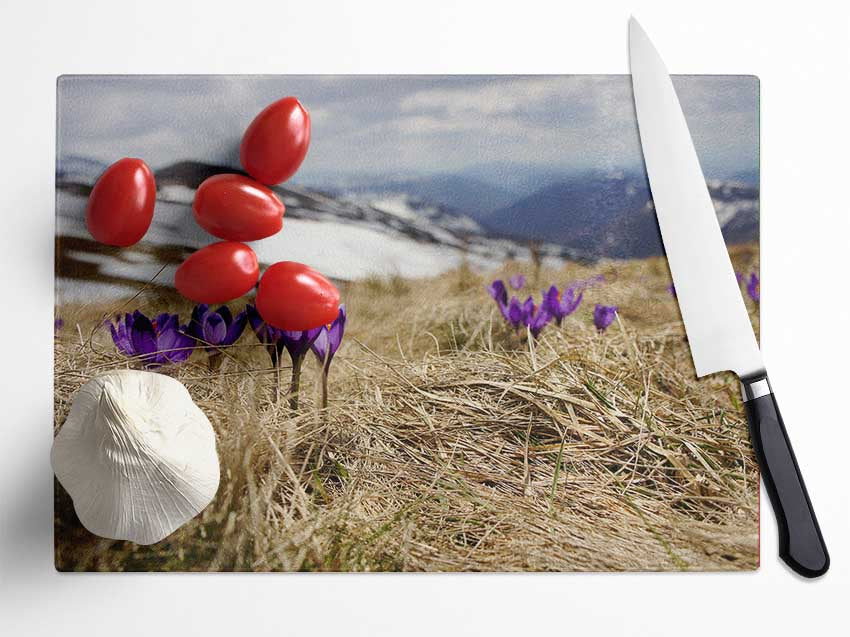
(214, 361)
(295, 383)
(277, 382)
(325, 388)
(276, 386)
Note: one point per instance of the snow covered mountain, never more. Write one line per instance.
(375, 229)
(346, 237)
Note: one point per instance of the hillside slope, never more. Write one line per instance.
(612, 215)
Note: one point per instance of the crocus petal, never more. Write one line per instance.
(328, 340)
(121, 338)
(143, 338)
(337, 330)
(130, 319)
(321, 347)
(271, 337)
(199, 312)
(538, 321)
(542, 321)
(215, 329)
(503, 308)
(165, 322)
(498, 291)
(167, 340)
(569, 302)
(196, 323)
(551, 304)
(514, 312)
(603, 316)
(753, 287)
(550, 300)
(254, 318)
(224, 312)
(290, 341)
(298, 342)
(126, 329)
(517, 281)
(234, 331)
(265, 333)
(528, 309)
(181, 347)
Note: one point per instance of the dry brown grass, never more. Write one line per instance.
(453, 444)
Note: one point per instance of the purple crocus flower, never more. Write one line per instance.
(329, 339)
(326, 345)
(58, 324)
(672, 290)
(519, 313)
(536, 320)
(269, 336)
(558, 305)
(154, 342)
(297, 343)
(603, 316)
(527, 314)
(753, 287)
(513, 313)
(499, 293)
(215, 329)
(528, 308)
(517, 281)
(739, 277)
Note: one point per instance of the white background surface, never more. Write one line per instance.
(801, 55)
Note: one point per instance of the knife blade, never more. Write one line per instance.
(719, 332)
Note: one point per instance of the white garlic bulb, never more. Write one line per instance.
(137, 456)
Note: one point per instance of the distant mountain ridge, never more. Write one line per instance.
(466, 195)
(521, 178)
(588, 214)
(612, 214)
(575, 211)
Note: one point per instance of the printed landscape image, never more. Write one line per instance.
(510, 388)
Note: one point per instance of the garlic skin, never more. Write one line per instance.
(137, 456)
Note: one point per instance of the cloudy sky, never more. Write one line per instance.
(398, 124)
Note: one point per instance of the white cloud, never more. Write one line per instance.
(417, 123)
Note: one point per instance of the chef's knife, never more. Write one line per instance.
(719, 331)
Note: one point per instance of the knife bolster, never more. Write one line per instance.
(752, 388)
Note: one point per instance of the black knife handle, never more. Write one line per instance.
(801, 544)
